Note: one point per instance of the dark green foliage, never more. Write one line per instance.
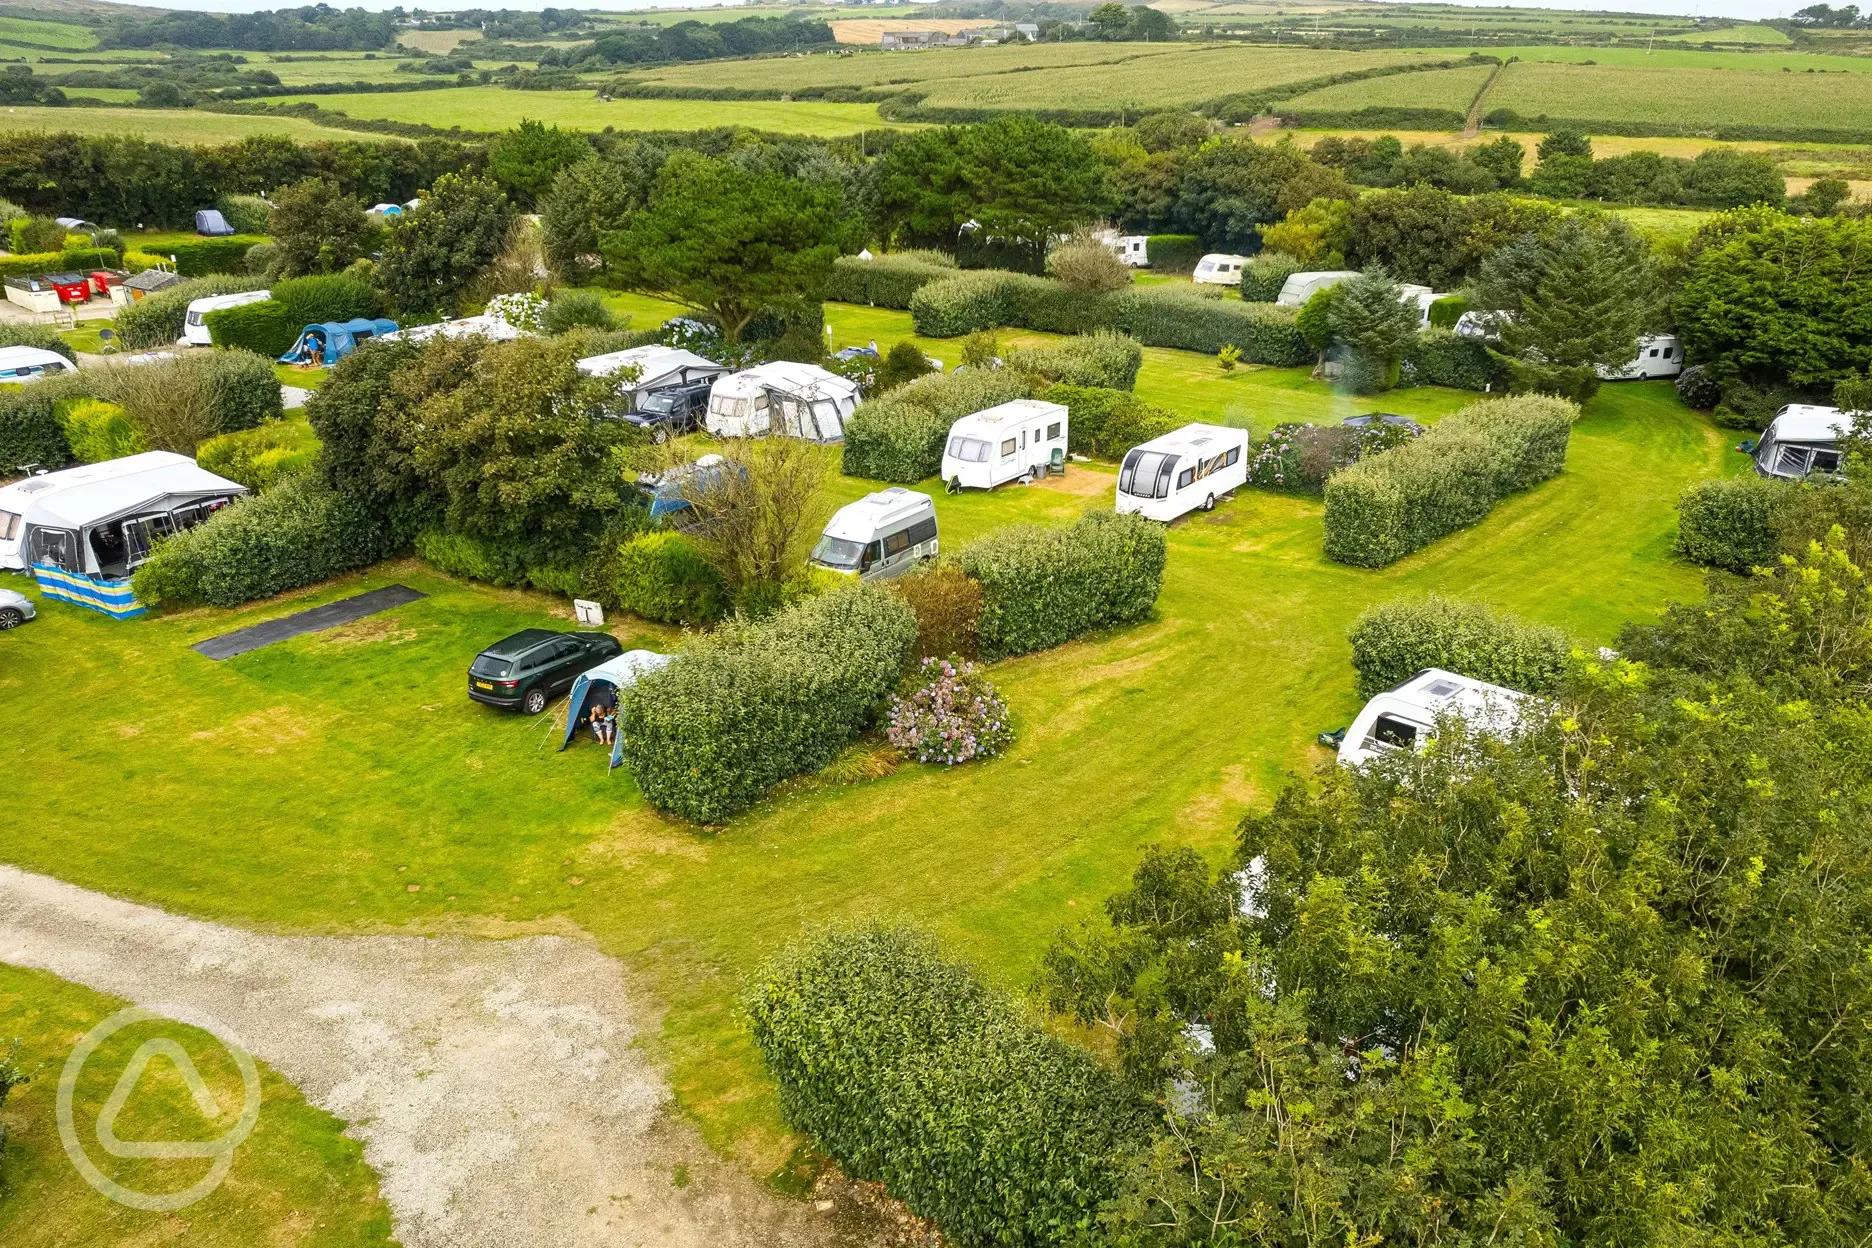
(202, 257)
(1438, 357)
(1265, 274)
(899, 436)
(1696, 388)
(73, 259)
(333, 297)
(1393, 641)
(435, 249)
(1732, 522)
(1383, 508)
(98, 431)
(1447, 310)
(157, 320)
(1435, 237)
(25, 334)
(30, 432)
(35, 234)
(527, 159)
(902, 1067)
(317, 228)
(1173, 253)
(361, 459)
(587, 201)
(243, 390)
(1167, 316)
(266, 327)
(661, 576)
(577, 309)
(886, 281)
(246, 213)
(754, 703)
(948, 607)
(1043, 586)
(1107, 423)
(1232, 186)
(904, 362)
(1375, 327)
(1107, 360)
(298, 533)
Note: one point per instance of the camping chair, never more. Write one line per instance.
(1057, 464)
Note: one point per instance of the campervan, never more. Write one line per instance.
(194, 322)
(100, 520)
(23, 364)
(1133, 249)
(1219, 269)
(1659, 355)
(880, 536)
(798, 400)
(1802, 440)
(1024, 438)
(1405, 717)
(1189, 468)
(1300, 287)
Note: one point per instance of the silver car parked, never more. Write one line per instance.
(15, 609)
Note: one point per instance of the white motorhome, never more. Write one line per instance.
(1300, 287)
(1219, 269)
(1405, 717)
(880, 536)
(1189, 468)
(100, 520)
(1024, 438)
(1801, 440)
(1659, 355)
(23, 364)
(798, 400)
(195, 327)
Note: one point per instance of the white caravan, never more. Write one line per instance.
(1133, 249)
(24, 364)
(1404, 718)
(1004, 443)
(1659, 355)
(880, 536)
(1802, 439)
(195, 328)
(492, 328)
(100, 520)
(1219, 269)
(1300, 287)
(1173, 475)
(799, 400)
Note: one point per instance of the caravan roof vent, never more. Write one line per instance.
(1441, 688)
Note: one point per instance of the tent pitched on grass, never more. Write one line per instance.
(614, 674)
(331, 341)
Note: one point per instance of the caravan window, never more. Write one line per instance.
(1390, 732)
(1185, 477)
(1007, 448)
(9, 526)
(1668, 351)
(1053, 430)
(1825, 461)
(1146, 474)
(922, 531)
(969, 450)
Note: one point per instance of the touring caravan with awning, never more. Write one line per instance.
(1803, 440)
(797, 400)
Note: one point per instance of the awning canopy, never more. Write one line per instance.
(618, 673)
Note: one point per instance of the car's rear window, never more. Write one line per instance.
(491, 665)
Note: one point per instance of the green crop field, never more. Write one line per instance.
(1751, 33)
(297, 1181)
(47, 34)
(875, 69)
(496, 108)
(1437, 88)
(1673, 57)
(1684, 97)
(169, 125)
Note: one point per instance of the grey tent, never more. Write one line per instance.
(211, 223)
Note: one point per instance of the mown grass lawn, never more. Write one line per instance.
(297, 1180)
(308, 785)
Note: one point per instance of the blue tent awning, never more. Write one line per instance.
(331, 341)
(618, 673)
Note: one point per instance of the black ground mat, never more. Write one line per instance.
(315, 620)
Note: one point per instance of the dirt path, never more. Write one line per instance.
(492, 1082)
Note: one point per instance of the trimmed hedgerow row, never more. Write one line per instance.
(1107, 423)
(271, 326)
(1729, 522)
(754, 703)
(886, 281)
(1042, 587)
(908, 1071)
(1173, 253)
(899, 436)
(1157, 316)
(1383, 508)
(1438, 357)
(156, 321)
(1100, 359)
(1393, 641)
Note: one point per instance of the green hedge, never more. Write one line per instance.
(262, 457)
(754, 703)
(1393, 641)
(1173, 253)
(1445, 312)
(1107, 423)
(98, 431)
(886, 281)
(1265, 274)
(1730, 522)
(661, 576)
(271, 326)
(906, 1070)
(157, 321)
(1383, 508)
(30, 430)
(70, 260)
(1102, 359)
(1043, 586)
(1172, 316)
(296, 534)
(900, 436)
(201, 257)
(265, 327)
(1437, 357)
(24, 334)
(244, 391)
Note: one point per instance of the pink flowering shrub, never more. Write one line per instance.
(951, 715)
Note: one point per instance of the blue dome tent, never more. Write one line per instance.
(614, 674)
(211, 224)
(331, 341)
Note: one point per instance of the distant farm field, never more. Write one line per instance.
(496, 108)
(170, 125)
(1670, 56)
(1684, 97)
(1438, 88)
(869, 32)
(51, 34)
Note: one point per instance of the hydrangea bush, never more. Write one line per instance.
(952, 715)
(525, 310)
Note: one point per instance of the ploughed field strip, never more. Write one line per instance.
(312, 620)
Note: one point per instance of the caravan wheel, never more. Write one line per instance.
(1209, 503)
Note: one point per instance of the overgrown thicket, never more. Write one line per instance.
(1042, 587)
(1393, 641)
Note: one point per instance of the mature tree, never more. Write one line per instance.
(730, 243)
(1233, 186)
(527, 158)
(1371, 320)
(1168, 131)
(358, 416)
(1439, 166)
(435, 250)
(1086, 264)
(316, 228)
(1144, 185)
(1822, 197)
(1430, 236)
(1585, 290)
(1726, 178)
(756, 519)
(1503, 158)
(1151, 25)
(1565, 141)
(1317, 235)
(1111, 20)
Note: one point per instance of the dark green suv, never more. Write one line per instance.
(530, 668)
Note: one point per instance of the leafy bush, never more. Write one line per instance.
(1173, 253)
(1299, 458)
(1107, 423)
(886, 281)
(1440, 358)
(261, 457)
(1730, 522)
(265, 327)
(98, 431)
(948, 607)
(325, 297)
(904, 362)
(1085, 264)
(243, 389)
(1696, 388)
(180, 402)
(24, 334)
(296, 534)
(754, 703)
(35, 234)
(203, 257)
(472, 558)
(1384, 508)
(157, 320)
(899, 437)
(661, 576)
(261, 259)
(577, 309)
(1101, 359)
(1393, 641)
(30, 430)
(949, 714)
(1447, 310)
(906, 1070)
(1265, 274)
(72, 259)
(977, 299)
(1042, 587)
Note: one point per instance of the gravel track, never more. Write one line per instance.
(493, 1083)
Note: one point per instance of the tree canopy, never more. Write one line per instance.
(435, 249)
